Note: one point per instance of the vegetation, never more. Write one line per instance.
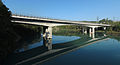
(11, 34)
(115, 26)
(114, 29)
(69, 28)
(106, 21)
(7, 35)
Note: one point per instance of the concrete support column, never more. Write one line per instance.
(47, 37)
(104, 28)
(93, 30)
(93, 35)
(85, 31)
(90, 30)
(47, 31)
(90, 34)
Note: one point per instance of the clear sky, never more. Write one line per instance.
(67, 9)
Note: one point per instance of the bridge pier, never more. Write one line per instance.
(93, 30)
(90, 30)
(92, 35)
(47, 37)
(104, 28)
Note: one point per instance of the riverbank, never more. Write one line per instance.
(12, 35)
(109, 32)
(66, 31)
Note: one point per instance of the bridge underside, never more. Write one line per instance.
(47, 30)
(40, 23)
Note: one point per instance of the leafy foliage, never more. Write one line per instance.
(105, 21)
(10, 33)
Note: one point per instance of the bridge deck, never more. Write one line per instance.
(51, 22)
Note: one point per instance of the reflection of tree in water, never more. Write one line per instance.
(67, 33)
(28, 40)
(6, 47)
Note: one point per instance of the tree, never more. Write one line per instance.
(105, 21)
(102, 21)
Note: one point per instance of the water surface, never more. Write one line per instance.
(70, 50)
(101, 53)
(55, 40)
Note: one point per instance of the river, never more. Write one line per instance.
(77, 49)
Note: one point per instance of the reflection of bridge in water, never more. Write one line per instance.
(41, 54)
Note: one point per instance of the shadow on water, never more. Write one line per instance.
(24, 43)
(40, 54)
(9, 48)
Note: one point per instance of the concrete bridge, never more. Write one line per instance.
(49, 23)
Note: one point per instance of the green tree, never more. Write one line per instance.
(106, 21)
(102, 21)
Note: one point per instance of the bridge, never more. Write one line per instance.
(49, 23)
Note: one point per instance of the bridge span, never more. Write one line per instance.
(49, 23)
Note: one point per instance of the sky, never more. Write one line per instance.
(78, 10)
